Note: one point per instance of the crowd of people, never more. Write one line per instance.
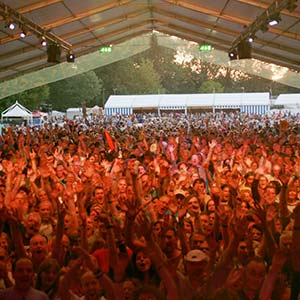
(151, 207)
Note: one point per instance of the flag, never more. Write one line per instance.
(109, 140)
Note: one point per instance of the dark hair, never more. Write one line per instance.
(45, 266)
(133, 272)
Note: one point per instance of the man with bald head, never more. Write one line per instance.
(22, 290)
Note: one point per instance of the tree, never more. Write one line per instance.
(130, 76)
(31, 99)
(127, 77)
(147, 80)
(211, 86)
(71, 92)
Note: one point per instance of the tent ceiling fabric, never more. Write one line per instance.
(87, 25)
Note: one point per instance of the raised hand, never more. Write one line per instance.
(8, 166)
(239, 226)
(223, 213)
(260, 212)
(32, 154)
(57, 154)
(212, 144)
(144, 225)
(31, 175)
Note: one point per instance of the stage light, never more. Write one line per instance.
(274, 19)
(23, 33)
(251, 38)
(10, 24)
(43, 41)
(233, 55)
(70, 57)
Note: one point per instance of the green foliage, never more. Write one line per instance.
(146, 79)
(131, 76)
(71, 92)
(211, 86)
(31, 99)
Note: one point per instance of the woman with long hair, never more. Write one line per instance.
(142, 268)
(47, 277)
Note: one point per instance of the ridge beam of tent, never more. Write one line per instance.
(249, 103)
(17, 111)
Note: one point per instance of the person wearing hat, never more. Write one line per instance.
(195, 263)
(176, 202)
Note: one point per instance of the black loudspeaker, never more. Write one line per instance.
(53, 52)
(244, 50)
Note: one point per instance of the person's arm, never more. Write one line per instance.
(185, 246)
(57, 251)
(197, 223)
(268, 244)
(83, 227)
(284, 211)
(222, 269)
(223, 217)
(296, 240)
(66, 282)
(110, 238)
(112, 293)
(133, 207)
(278, 261)
(16, 236)
(9, 170)
(157, 258)
(33, 156)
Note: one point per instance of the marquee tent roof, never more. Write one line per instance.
(288, 100)
(187, 100)
(16, 111)
(86, 25)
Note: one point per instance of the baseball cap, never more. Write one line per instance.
(196, 256)
(179, 192)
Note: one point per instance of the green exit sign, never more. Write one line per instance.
(105, 49)
(205, 48)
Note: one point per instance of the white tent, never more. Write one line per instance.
(288, 101)
(17, 111)
(95, 110)
(74, 112)
(251, 103)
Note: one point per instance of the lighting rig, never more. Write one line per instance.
(241, 46)
(48, 39)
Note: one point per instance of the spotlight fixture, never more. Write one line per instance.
(233, 55)
(12, 19)
(43, 41)
(274, 19)
(11, 25)
(70, 57)
(251, 38)
(23, 33)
